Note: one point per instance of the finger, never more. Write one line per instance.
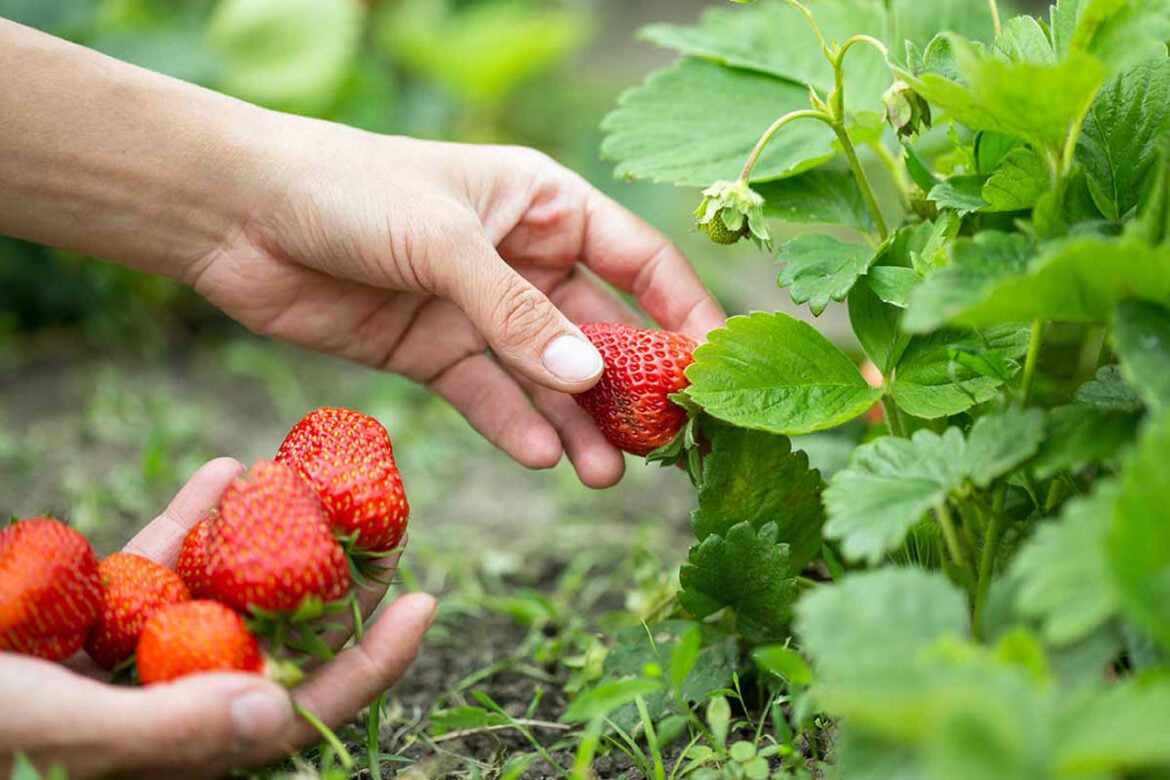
(368, 599)
(637, 259)
(522, 326)
(198, 724)
(337, 690)
(162, 538)
(582, 298)
(496, 407)
(597, 462)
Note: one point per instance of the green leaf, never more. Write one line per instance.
(666, 644)
(977, 264)
(609, 696)
(774, 373)
(819, 268)
(685, 654)
(480, 52)
(1076, 280)
(1078, 437)
(747, 571)
(456, 718)
(1062, 572)
(1118, 33)
(1115, 731)
(1141, 338)
(824, 195)
(876, 325)
(892, 482)
(1109, 392)
(696, 122)
(755, 476)
(774, 38)
(1018, 182)
(893, 284)
(1139, 537)
(783, 662)
(964, 194)
(287, 54)
(933, 380)
(1118, 145)
(872, 623)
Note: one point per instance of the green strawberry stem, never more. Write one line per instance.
(993, 7)
(373, 736)
(326, 734)
(804, 113)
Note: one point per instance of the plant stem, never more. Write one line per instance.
(326, 734)
(862, 181)
(954, 547)
(986, 565)
(374, 737)
(811, 23)
(994, 8)
(893, 417)
(1031, 359)
(804, 113)
(896, 170)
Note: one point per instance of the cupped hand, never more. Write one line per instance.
(203, 725)
(462, 267)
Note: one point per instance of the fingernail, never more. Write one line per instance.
(259, 716)
(572, 359)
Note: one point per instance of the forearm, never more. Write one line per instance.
(101, 157)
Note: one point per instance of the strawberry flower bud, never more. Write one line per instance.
(906, 110)
(731, 210)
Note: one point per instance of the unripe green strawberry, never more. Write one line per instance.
(192, 637)
(271, 546)
(192, 563)
(133, 588)
(348, 459)
(49, 588)
(642, 367)
(721, 234)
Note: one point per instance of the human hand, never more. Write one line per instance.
(462, 267)
(201, 725)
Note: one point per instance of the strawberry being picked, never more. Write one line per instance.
(50, 593)
(133, 588)
(642, 367)
(270, 548)
(348, 459)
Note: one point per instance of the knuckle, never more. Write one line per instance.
(521, 312)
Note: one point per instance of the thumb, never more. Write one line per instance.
(524, 328)
(209, 722)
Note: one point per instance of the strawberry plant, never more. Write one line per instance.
(978, 583)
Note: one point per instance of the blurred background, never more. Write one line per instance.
(115, 386)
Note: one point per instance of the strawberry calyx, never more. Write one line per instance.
(686, 448)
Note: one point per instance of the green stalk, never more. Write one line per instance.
(861, 179)
(1031, 359)
(804, 113)
(987, 561)
(994, 8)
(374, 737)
(893, 417)
(951, 536)
(326, 734)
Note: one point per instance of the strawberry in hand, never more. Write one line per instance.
(50, 593)
(133, 588)
(348, 459)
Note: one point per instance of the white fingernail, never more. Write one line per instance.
(572, 359)
(259, 716)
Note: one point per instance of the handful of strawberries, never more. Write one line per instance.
(280, 551)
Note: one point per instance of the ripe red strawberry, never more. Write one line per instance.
(133, 589)
(49, 588)
(271, 546)
(348, 459)
(195, 636)
(629, 403)
(192, 563)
